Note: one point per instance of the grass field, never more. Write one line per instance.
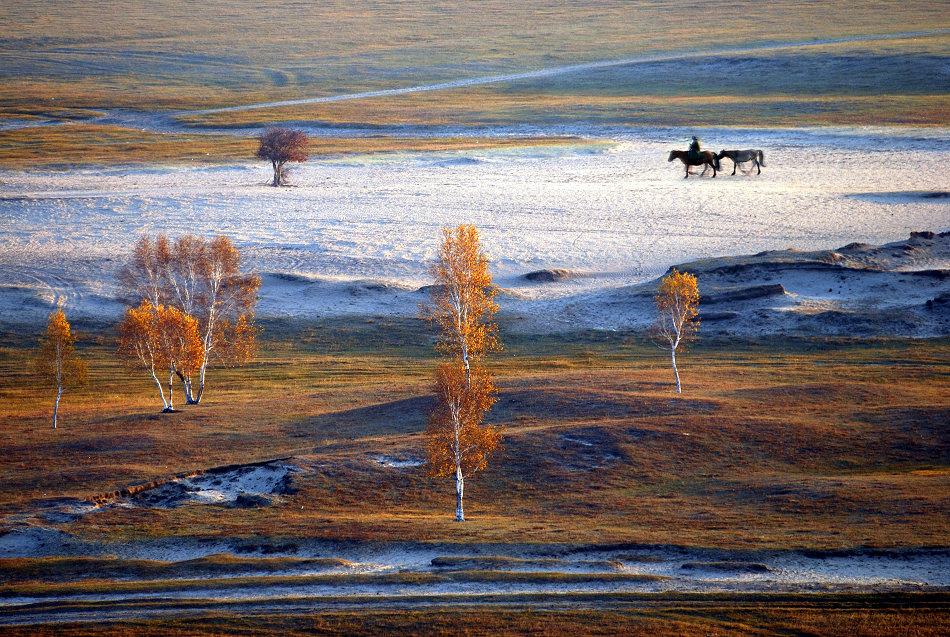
(775, 444)
(170, 54)
(87, 144)
(805, 443)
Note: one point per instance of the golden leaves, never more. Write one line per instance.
(161, 337)
(57, 361)
(463, 297)
(203, 279)
(677, 304)
(462, 306)
(455, 438)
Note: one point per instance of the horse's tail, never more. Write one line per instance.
(761, 157)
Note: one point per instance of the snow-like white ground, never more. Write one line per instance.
(617, 213)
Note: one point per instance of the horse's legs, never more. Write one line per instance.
(735, 165)
(757, 167)
(713, 164)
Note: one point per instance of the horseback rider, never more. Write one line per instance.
(693, 152)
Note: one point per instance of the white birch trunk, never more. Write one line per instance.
(186, 387)
(161, 390)
(459, 492)
(676, 371)
(59, 393)
(171, 380)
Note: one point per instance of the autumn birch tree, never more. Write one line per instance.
(677, 305)
(462, 307)
(57, 361)
(203, 279)
(164, 340)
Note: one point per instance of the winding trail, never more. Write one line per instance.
(562, 70)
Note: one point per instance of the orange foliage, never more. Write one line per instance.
(463, 297)
(677, 305)
(462, 305)
(163, 339)
(203, 279)
(57, 362)
(455, 439)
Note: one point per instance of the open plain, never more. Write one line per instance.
(800, 484)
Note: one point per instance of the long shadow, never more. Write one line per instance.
(550, 405)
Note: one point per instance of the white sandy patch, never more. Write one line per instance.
(394, 462)
(246, 485)
(354, 235)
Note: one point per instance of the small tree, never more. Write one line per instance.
(57, 361)
(677, 304)
(162, 339)
(203, 279)
(279, 146)
(462, 306)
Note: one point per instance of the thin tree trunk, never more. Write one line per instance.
(59, 393)
(187, 388)
(161, 390)
(201, 381)
(171, 380)
(459, 489)
(675, 371)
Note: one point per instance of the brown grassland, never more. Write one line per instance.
(917, 615)
(169, 54)
(807, 443)
(174, 57)
(776, 443)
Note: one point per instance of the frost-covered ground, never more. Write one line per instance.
(354, 234)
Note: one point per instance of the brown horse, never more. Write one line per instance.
(706, 157)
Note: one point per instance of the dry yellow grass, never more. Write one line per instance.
(823, 444)
(173, 55)
(87, 144)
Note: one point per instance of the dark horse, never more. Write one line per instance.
(739, 156)
(706, 157)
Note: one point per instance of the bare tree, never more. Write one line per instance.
(677, 304)
(279, 146)
(56, 361)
